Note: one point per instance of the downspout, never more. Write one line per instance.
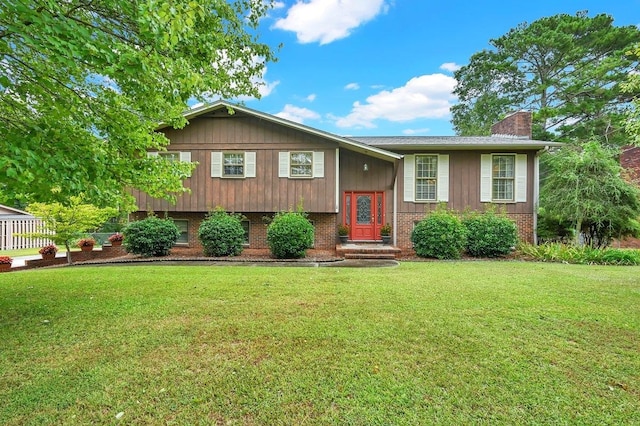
(337, 200)
(536, 192)
(396, 167)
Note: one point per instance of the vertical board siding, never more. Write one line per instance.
(464, 185)
(264, 192)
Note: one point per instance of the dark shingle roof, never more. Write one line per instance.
(452, 142)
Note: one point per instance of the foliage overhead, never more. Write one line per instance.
(64, 224)
(84, 85)
(567, 69)
(585, 188)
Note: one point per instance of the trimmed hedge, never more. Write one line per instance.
(150, 237)
(440, 235)
(490, 235)
(289, 235)
(221, 234)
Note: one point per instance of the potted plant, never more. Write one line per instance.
(343, 233)
(385, 233)
(116, 239)
(86, 244)
(5, 263)
(48, 252)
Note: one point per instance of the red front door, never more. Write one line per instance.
(364, 214)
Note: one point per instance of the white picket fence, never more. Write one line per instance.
(11, 228)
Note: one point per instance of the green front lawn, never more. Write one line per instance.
(422, 343)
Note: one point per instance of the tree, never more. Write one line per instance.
(632, 86)
(84, 85)
(585, 187)
(566, 69)
(64, 224)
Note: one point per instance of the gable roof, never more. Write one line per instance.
(7, 212)
(454, 142)
(343, 142)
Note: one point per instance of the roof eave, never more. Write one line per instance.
(342, 141)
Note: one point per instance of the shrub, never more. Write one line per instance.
(221, 234)
(440, 235)
(565, 253)
(5, 260)
(289, 235)
(151, 236)
(489, 235)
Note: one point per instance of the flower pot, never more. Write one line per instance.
(86, 248)
(48, 256)
(386, 239)
(4, 267)
(116, 243)
(343, 238)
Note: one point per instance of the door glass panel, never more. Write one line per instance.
(363, 214)
(348, 210)
(379, 210)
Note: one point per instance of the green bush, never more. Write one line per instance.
(441, 235)
(150, 237)
(289, 235)
(565, 253)
(221, 234)
(489, 235)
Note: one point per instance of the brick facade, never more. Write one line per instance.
(406, 222)
(325, 225)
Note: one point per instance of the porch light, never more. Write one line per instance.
(365, 167)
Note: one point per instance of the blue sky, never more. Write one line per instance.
(384, 67)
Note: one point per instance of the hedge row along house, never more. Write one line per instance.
(257, 164)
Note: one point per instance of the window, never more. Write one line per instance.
(247, 227)
(233, 164)
(300, 164)
(502, 177)
(183, 227)
(172, 155)
(426, 177)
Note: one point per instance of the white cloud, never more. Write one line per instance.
(426, 96)
(311, 97)
(450, 66)
(325, 21)
(411, 132)
(297, 114)
(352, 86)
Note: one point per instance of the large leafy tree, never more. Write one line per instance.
(567, 69)
(83, 85)
(585, 187)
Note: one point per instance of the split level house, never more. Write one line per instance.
(257, 164)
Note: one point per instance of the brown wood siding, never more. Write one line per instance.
(378, 177)
(464, 184)
(266, 192)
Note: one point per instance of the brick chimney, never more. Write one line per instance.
(515, 124)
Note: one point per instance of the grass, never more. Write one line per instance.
(422, 343)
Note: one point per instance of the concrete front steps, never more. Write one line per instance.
(367, 250)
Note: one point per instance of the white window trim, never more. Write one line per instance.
(519, 180)
(317, 165)
(217, 164)
(442, 182)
